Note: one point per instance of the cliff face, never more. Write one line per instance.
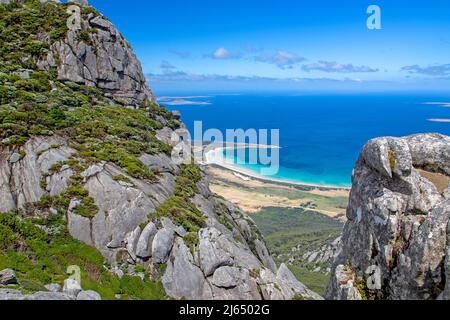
(395, 244)
(73, 158)
(96, 55)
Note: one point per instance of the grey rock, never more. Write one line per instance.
(264, 255)
(122, 208)
(144, 245)
(160, 162)
(11, 294)
(132, 241)
(343, 285)
(231, 283)
(211, 254)
(446, 294)
(180, 231)
(430, 151)
(118, 272)
(49, 296)
(92, 171)
(58, 182)
(53, 287)
(183, 279)
(7, 276)
(162, 245)
(89, 295)
(217, 250)
(15, 157)
(226, 277)
(165, 135)
(169, 225)
(21, 180)
(79, 227)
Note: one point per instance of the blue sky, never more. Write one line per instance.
(324, 45)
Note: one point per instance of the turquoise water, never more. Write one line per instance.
(320, 135)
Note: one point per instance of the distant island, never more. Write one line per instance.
(181, 101)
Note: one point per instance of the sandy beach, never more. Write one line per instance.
(213, 155)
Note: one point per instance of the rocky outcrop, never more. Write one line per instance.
(395, 243)
(98, 55)
(216, 253)
(228, 263)
(320, 259)
(20, 180)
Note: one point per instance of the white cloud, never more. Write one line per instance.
(175, 76)
(334, 67)
(434, 70)
(223, 54)
(282, 59)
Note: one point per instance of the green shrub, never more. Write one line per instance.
(85, 37)
(392, 159)
(7, 237)
(191, 240)
(135, 288)
(180, 209)
(122, 178)
(45, 260)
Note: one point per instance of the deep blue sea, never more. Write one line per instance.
(320, 135)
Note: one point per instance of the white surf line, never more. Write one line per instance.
(216, 157)
(441, 104)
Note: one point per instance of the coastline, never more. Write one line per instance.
(214, 157)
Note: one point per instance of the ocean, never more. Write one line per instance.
(320, 135)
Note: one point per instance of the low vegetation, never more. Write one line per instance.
(315, 281)
(284, 229)
(20, 27)
(40, 258)
(179, 207)
(100, 132)
(85, 207)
